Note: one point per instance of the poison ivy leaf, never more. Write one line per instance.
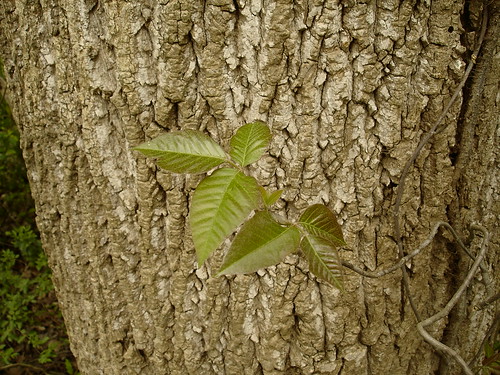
(261, 242)
(220, 204)
(250, 142)
(323, 259)
(319, 221)
(270, 198)
(187, 151)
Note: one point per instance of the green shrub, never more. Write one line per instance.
(16, 207)
(32, 333)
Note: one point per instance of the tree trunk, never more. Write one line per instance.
(348, 89)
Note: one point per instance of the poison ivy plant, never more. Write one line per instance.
(226, 198)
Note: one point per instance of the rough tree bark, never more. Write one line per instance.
(348, 88)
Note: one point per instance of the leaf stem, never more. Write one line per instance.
(235, 165)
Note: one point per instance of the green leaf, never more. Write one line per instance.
(319, 221)
(221, 202)
(270, 198)
(488, 350)
(319, 245)
(187, 151)
(250, 142)
(260, 243)
(69, 367)
(323, 259)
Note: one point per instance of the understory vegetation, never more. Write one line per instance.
(32, 333)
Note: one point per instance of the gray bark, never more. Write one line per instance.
(348, 89)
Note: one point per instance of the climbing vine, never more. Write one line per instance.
(229, 198)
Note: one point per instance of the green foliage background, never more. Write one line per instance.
(32, 334)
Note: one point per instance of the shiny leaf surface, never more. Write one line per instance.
(221, 202)
(323, 259)
(188, 151)
(319, 221)
(260, 243)
(250, 142)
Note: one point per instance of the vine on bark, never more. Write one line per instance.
(423, 323)
(227, 197)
